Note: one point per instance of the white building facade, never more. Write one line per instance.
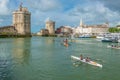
(91, 29)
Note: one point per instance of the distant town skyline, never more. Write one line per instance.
(63, 12)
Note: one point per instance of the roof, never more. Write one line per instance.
(6, 26)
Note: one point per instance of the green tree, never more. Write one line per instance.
(114, 30)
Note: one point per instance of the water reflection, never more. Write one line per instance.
(5, 62)
(21, 50)
(50, 40)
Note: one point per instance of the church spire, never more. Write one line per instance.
(81, 23)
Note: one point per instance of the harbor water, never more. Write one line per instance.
(45, 58)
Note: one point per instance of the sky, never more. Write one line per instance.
(63, 12)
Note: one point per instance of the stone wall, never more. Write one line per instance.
(7, 30)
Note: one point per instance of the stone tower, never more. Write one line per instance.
(22, 21)
(50, 26)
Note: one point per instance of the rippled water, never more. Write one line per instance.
(45, 58)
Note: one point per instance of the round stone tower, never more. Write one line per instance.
(50, 26)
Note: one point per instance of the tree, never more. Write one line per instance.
(114, 30)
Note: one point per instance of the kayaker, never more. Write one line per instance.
(111, 45)
(81, 57)
(87, 59)
(66, 41)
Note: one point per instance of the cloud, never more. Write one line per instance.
(3, 7)
(91, 14)
(111, 4)
(97, 13)
(45, 5)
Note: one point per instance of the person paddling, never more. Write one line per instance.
(81, 57)
(87, 59)
(66, 41)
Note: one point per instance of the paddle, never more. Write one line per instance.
(76, 64)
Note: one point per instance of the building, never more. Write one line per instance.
(64, 31)
(43, 32)
(99, 29)
(10, 30)
(50, 26)
(22, 21)
(118, 26)
(91, 29)
(58, 30)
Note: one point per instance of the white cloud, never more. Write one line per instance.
(3, 7)
(45, 5)
(111, 4)
(91, 14)
(94, 14)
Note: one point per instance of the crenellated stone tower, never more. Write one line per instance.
(22, 21)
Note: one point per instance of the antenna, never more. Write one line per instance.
(21, 5)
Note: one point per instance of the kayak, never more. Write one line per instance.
(84, 61)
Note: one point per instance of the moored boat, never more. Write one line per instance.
(100, 36)
(105, 39)
(113, 47)
(118, 40)
(85, 36)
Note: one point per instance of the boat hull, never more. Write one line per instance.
(84, 61)
(106, 40)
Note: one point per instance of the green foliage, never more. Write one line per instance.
(114, 30)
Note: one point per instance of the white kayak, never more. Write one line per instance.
(84, 61)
